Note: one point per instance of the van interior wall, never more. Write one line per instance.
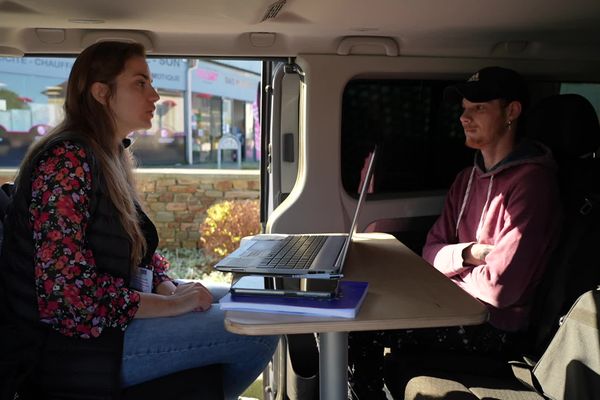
(406, 214)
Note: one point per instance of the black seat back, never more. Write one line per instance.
(569, 126)
(566, 123)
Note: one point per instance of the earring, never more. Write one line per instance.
(509, 123)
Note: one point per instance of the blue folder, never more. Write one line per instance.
(345, 305)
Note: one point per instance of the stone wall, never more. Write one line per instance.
(177, 199)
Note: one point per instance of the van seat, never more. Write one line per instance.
(467, 387)
(568, 370)
(567, 124)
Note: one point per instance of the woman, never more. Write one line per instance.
(95, 308)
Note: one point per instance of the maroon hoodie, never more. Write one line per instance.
(515, 207)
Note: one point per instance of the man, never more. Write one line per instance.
(499, 224)
(499, 221)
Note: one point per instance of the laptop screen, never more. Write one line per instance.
(361, 199)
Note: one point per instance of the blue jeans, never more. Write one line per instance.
(155, 347)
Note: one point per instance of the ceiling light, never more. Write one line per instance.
(86, 21)
(364, 29)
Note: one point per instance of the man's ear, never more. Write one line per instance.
(514, 110)
(100, 92)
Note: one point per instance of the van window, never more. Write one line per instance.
(420, 137)
(416, 130)
(223, 101)
(590, 91)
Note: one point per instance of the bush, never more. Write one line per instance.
(192, 264)
(187, 263)
(226, 224)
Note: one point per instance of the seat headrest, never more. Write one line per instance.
(566, 123)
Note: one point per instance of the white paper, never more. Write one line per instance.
(142, 280)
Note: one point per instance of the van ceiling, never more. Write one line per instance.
(542, 29)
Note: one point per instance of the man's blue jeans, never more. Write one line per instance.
(155, 347)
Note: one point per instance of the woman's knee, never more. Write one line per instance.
(261, 345)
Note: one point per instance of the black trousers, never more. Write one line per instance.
(366, 358)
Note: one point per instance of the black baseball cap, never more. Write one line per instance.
(488, 84)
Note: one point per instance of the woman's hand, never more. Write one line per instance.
(185, 297)
(192, 294)
(476, 253)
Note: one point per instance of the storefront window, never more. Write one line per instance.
(221, 94)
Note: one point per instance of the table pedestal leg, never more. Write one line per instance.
(333, 365)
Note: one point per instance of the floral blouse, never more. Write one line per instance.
(73, 296)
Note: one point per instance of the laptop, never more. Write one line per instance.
(297, 254)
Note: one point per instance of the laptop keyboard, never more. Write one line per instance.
(296, 252)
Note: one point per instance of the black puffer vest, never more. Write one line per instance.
(57, 366)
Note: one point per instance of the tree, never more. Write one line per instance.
(13, 100)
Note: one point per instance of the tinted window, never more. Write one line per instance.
(420, 137)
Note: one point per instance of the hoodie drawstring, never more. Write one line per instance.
(464, 203)
(485, 209)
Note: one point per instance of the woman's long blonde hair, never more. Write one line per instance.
(93, 123)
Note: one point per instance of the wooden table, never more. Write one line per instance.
(404, 292)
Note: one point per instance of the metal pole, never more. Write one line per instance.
(280, 369)
(189, 145)
(333, 365)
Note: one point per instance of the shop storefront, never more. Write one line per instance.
(200, 101)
